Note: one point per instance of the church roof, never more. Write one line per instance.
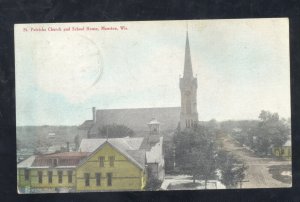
(137, 119)
(86, 124)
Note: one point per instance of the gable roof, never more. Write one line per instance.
(90, 145)
(27, 162)
(130, 151)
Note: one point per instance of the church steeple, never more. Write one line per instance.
(188, 70)
(188, 88)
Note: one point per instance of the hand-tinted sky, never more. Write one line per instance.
(242, 67)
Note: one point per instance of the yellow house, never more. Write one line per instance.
(49, 173)
(111, 167)
(100, 165)
(284, 151)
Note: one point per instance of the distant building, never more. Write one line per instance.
(285, 151)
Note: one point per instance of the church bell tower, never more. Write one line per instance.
(188, 88)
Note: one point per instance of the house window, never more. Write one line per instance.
(26, 174)
(109, 179)
(101, 161)
(70, 173)
(40, 176)
(50, 173)
(87, 179)
(98, 179)
(111, 161)
(60, 175)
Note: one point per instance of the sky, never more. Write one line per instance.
(242, 67)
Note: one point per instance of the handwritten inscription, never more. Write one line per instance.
(74, 28)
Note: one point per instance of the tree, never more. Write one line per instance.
(195, 154)
(270, 131)
(115, 131)
(232, 170)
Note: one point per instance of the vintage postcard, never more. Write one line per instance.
(153, 105)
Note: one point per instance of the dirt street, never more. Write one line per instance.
(258, 172)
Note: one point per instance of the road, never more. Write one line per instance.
(258, 172)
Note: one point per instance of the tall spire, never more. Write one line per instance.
(188, 71)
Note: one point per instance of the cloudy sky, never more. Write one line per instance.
(242, 67)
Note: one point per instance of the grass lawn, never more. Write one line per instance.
(277, 173)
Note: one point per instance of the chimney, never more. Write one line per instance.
(94, 114)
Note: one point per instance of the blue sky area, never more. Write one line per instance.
(242, 67)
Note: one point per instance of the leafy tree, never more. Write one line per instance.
(232, 170)
(115, 131)
(270, 131)
(195, 154)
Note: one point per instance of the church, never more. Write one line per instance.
(136, 118)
